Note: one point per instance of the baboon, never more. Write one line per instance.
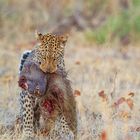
(55, 109)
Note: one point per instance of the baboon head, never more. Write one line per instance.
(31, 78)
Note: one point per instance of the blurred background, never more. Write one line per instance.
(102, 57)
(99, 21)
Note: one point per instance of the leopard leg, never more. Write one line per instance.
(61, 130)
(53, 135)
(65, 131)
(27, 114)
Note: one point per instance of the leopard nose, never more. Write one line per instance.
(50, 70)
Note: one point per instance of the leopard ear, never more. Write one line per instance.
(38, 35)
(63, 39)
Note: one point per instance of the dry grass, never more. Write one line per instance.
(111, 71)
(91, 70)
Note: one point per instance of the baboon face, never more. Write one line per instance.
(32, 79)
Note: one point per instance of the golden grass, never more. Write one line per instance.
(91, 68)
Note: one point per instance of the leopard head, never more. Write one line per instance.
(51, 50)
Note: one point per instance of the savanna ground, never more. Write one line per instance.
(103, 65)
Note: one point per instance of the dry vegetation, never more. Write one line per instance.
(105, 77)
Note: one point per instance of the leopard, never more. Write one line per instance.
(51, 51)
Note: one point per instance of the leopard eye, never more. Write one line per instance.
(40, 63)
